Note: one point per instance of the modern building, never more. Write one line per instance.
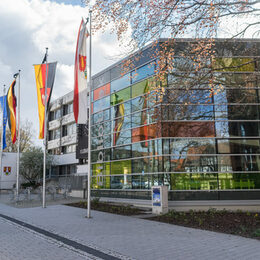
(200, 138)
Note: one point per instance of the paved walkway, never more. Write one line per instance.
(116, 237)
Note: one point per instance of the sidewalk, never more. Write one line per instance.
(133, 238)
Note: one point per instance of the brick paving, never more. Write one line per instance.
(120, 236)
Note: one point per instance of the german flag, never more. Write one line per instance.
(40, 75)
(11, 110)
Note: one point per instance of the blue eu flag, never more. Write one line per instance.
(3, 106)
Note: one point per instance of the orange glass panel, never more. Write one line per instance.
(146, 132)
(101, 92)
(188, 129)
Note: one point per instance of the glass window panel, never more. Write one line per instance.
(239, 163)
(121, 167)
(101, 104)
(239, 146)
(100, 182)
(188, 96)
(234, 64)
(120, 96)
(145, 182)
(231, 129)
(139, 118)
(97, 130)
(101, 92)
(192, 146)
(165, 115)
(107, 141)
(143, 72)
(107, 127)
(136, 182)
(237, 112)
(100, 155)
(152, 99)
(188, 129)
(194, 181)
(155, 164)
(239, 181)
(166, 146)
(139, 103)
(121, 123)
(140, 149)
(141, 88)
(187, 112)
(153, 114)
(121, 109)
(120, 83)
(236, 96)
(98, 117)
(140, 166)
(123, 137)
(144, 133)
(121, 182)
(237, 80)
(193, 163)
(166, 164)
(122, 152)
(106, 114)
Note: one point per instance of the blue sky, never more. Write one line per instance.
(68, 2)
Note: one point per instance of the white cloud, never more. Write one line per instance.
(28, 26)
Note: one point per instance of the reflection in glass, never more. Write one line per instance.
(121, 167)
(239, 146)
(120, 83)
(121, 152)
(143, 72)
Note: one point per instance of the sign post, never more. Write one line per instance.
(159, 199)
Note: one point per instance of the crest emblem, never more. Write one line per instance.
(82, 62)
(7, 170)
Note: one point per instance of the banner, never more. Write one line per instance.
(4, 110)
(40, 76)
(80, 77)
(11, 110)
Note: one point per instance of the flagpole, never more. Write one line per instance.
(2, 141)
(89, 121)
(18, 139)
(45, 134)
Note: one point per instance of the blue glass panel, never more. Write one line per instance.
(120, 83)
(101, 104)
(142, 72)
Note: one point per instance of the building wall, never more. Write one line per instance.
(190, 139)
(62, 135)
(8, 173)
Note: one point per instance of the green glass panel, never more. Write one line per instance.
(194, 181)
(120, 96)
(234, 64)
(239, 181)
(140, 88)
(121, 167)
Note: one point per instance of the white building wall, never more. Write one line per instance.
(8, 180)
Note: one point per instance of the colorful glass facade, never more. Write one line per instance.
(190, 139)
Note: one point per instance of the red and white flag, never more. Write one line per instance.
(80, 77)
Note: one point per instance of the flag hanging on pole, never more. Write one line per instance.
(11, 110)
(40, 76)
(4, 110)
(80, 77)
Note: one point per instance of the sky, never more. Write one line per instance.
(27, 28)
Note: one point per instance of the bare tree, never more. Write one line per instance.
(148, 20)
(25, 138)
